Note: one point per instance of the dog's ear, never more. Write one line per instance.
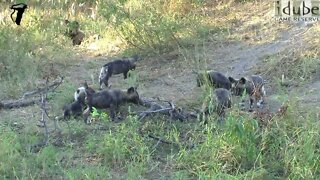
(242, 80)
(131, 90)
(232, 80)
(85, 85)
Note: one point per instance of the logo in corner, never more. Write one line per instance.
(297, 10)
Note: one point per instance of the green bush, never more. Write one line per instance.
(150, 24)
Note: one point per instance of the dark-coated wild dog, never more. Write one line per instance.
(215, 79)
(221, 103)
(119, 66)
(254, 88)
(223, 100)
(110, 98)
(74, 109)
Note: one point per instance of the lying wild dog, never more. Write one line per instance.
(222, 102)
(118, 66)
(110, 98)
(215, 79)
(254, 87)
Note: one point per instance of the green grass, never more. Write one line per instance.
(286, 148)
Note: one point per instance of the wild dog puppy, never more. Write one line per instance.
(81, 92)
(215, 79)
(254, 87)
(221, 103)
(76, 108)
(74, 32)
(110, 98)
(223, 100)
(117, 66)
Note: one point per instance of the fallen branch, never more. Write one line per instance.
(43, 90)
(9, 104)
(23, 102)
(155, 111)
(171, 111)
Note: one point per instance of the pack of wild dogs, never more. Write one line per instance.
(86, 98)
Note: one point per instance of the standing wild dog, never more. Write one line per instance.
(118, 66)
(221, 103)
(255, 89)
(223, 100)
(110, 98)
(73, 31)
(215, 79)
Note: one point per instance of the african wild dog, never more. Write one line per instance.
(74, 32)
(215, 79)
(254, 87)
(117, 66)
(223, 100)
(110, 98)
(73, 109)
(81, 91)
(221, 103)
(76, 108)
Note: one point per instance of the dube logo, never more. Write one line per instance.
(292, 10)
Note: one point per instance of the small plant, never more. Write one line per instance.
(97, 115)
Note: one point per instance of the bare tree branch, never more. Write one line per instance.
(52, 87)
(44, 114)
(23, 102)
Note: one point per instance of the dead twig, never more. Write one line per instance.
(43, 120)
(51, 87)
(171, 111)
(44, 116)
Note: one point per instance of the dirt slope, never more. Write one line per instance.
(232, 58)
